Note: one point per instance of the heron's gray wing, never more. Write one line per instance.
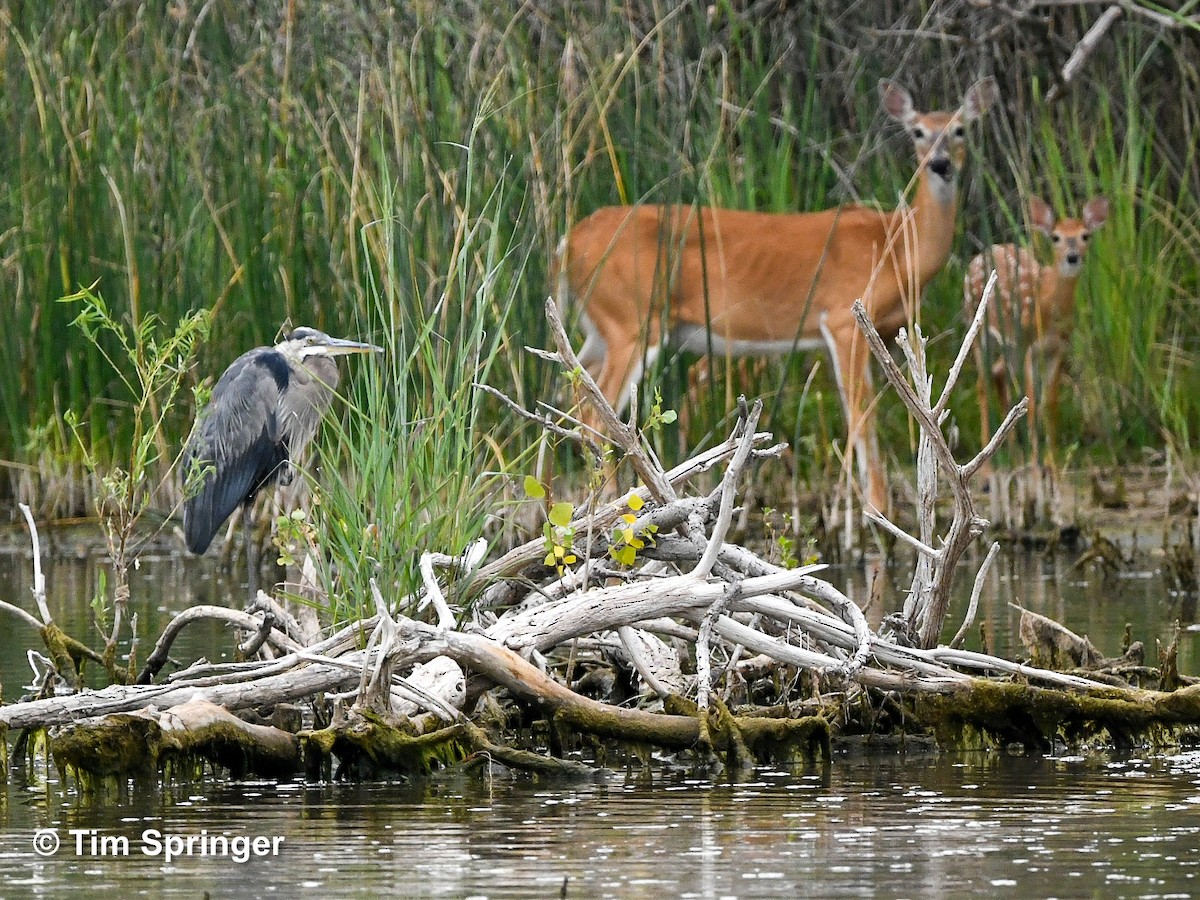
(238, 440)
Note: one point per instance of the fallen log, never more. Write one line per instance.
(992, 715)
(145, 742)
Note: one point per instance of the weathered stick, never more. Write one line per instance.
(245, 621)
(926, 618)
(39, 579)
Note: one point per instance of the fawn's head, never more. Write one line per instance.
(939, 137)
(1068, 236)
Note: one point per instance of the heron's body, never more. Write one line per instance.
(264, 411)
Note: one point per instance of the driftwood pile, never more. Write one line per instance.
(709, 652)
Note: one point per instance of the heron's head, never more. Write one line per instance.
(303, 343)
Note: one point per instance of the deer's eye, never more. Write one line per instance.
(918, 132)
(959, 131)
(1084, 237)
(1056, 238)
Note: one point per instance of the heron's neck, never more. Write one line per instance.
(317, 368)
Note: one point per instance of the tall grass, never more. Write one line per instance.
(415, 466)
(405, 171)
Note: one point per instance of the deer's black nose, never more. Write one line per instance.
(1073, 259)
(941, 167)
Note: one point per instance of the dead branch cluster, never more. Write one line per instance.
(693, 625)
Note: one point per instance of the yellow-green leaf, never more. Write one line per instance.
(635, 502)
(560, 513)
(533, 488)
(549, 560)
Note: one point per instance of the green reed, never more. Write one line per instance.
(405, 173)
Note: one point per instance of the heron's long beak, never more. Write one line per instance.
(341, 347)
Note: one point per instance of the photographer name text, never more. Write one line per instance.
(155, 843)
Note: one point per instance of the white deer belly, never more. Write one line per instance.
(698, 339)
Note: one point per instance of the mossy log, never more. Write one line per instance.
(992, 714)
(68, 654)
(371, 746)
(143, 743)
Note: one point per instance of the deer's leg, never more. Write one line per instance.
(849, 352)
(593, 351)
(1034, 411)
(625, 361)
(699, 380)
(981, 396)
(1000, 380)
(1050, 404)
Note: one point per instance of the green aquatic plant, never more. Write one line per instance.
(151, 365)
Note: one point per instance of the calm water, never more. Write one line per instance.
(905, 826)
(896, 827)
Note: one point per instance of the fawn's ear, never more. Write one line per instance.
(1095, 213)
(1041, 216)
(979, 98)
(896, 101)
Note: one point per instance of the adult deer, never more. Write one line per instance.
(747, 283)
(1033, 310)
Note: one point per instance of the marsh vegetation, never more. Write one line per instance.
(403, 174)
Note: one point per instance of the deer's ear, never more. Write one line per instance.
(1041, 216)
(979, 98)
(896, 101)
(1095, 213)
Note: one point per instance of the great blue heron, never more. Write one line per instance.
(263, 413)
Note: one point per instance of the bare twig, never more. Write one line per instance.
(242, 620)
(729, 483)
(625, 436)
(39, 579)
(976, 591)
(1083, 50)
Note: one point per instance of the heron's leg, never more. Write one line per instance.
(251, 548)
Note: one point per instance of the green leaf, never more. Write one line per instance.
(560, 513)
(668, 416)
(533, 488)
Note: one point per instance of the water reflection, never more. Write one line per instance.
(161, 587)
(1085, 600)
(934, 827)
